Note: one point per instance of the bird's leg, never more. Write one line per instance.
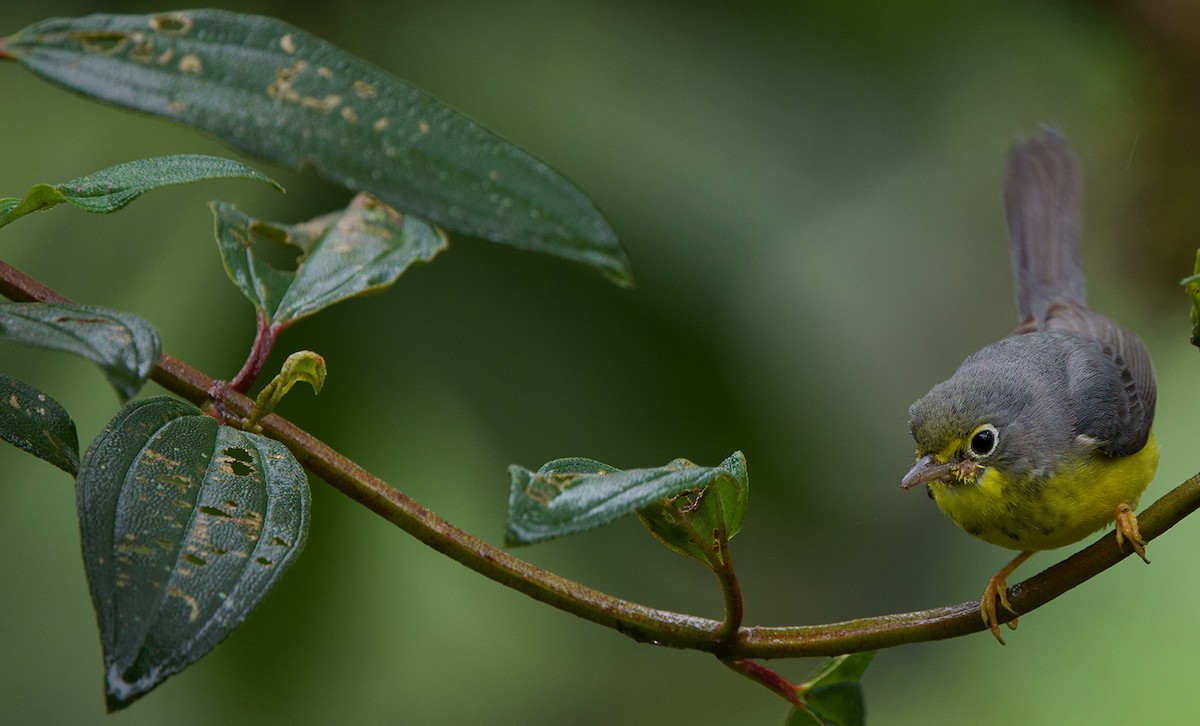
(997, 587)
(1127, 529)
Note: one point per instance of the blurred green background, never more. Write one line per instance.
(811, 195)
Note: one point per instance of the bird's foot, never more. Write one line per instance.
(996, 588)
(1127, 529)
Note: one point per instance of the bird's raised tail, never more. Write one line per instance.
(1042, 203)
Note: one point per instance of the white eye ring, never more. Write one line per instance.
(983, 442)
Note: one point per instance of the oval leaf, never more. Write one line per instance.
(571, 495)
(186, 526)
(111, 189)
(686, 521)
(277, 92)
(360, 250)
(833, 691)
(31, 420)
(125, 346)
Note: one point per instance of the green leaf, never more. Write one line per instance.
(803, 717)
(361, 249)
(1192, 288)
(304, 366)
(833, 691)
(839, 704)
(186, 525)
(32, 421)
(125, 346)
(113, 188)
(687, 521)
(575, 494)
(277, 92)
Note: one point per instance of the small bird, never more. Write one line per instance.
(1043, 437)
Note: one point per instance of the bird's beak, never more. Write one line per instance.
(925, 470)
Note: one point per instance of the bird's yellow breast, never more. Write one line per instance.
(1078, 498)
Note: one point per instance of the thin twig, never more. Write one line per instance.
(265, 335)
(765, 676)
(638, 621)
(730, 589)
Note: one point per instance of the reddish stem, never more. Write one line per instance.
(264, 341)
(773, 681)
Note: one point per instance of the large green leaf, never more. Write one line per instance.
(359, 250)
(571, 495)
(111, 189)
(31, 420)
(125, 346)
(275, 91)
(186, 526)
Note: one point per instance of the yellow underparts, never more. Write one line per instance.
(1080, 497)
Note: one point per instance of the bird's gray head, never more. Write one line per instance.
(1004, 407)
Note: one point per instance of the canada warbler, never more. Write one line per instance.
(1043, 437)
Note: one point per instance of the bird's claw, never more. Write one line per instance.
(1127, 529)
(997, 589)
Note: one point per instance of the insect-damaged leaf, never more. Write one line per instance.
(186, 525)
(359, 250)
(125, 346)
(571, 495)
(31, 420)
(274, 91)
(687, 521)
(111, 189)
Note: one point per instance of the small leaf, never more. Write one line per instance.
(803, 717)
(840, 669)
(275, 91)
(186, 525)
(125, 346)
(360, 250)
(39, 197)
(1192, 288)
(32, 421)
(839, 704)
(833, 691)
(686, 521)
(111, 189)
(575, 494)
(303, 366)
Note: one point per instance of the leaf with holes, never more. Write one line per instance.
(125, 346)
(275, 91)
(186, 525)
(31, 420)
(359, 250)
(111, 189)
(575, 494)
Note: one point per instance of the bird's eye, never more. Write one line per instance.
(983, 441)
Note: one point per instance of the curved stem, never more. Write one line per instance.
(730, 589)
(638, 621)
(265, 335)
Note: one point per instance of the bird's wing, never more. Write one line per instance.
(1118, 414)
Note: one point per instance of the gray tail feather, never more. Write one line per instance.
(1042, 203)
